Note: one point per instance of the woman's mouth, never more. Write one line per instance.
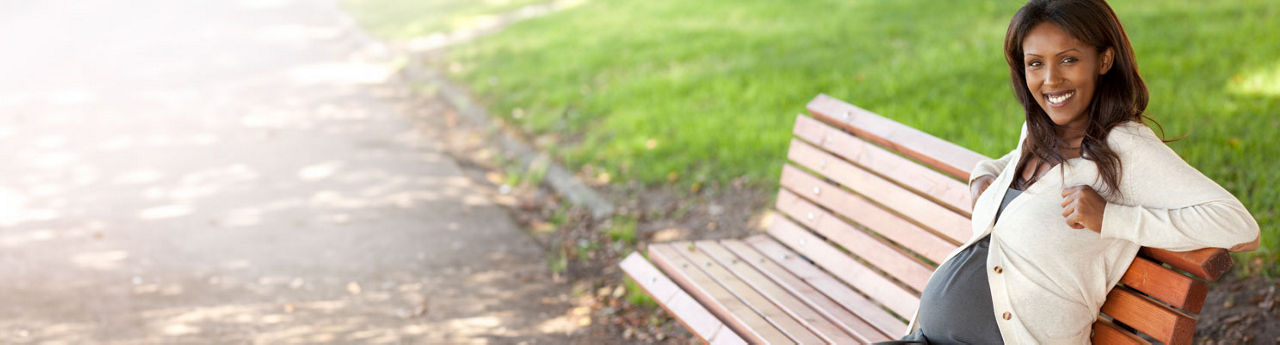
(1059, 98)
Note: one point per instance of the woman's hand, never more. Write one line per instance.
(1082, 207)
(976, 188)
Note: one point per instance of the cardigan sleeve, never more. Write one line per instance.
(993, 167)
(1169, 204)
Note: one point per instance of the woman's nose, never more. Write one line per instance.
(1052, 76)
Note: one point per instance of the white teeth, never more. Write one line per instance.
(1062, 98)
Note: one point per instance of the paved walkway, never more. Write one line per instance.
(238, 172)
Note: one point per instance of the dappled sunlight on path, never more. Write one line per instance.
(231, 172)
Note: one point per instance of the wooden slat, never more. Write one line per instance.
(906, 234)
(878, 287)
(751, 297)
(896, 198)
(799, 311)
(677, 303)
(953, 229)
(923, 180)
(720, 302)
(885, 257)
(1158, 321)
(1166, 285)
(864, 332)
(1105, 332)
(726, 337)
(1207, 263)
(831, 287)
(945, 156)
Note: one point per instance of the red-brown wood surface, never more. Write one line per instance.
(1206, 263)
(751, 297)
(886, 257)
(1107, 333)
(852, 205)
(780, 296)
(720, 302)
(726, 337)
(872, 187)
(900, 300)
(922, 179)
(1166, 285)
(689, 312)
(945, 156)
(1160, 322)
(838, 315)
(829, 285)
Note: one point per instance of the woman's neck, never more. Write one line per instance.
(1072, 133)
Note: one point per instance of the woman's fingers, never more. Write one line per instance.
(1071, 204)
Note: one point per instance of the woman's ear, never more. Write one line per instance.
(1107, 57)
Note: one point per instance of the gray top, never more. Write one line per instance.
(955, 306)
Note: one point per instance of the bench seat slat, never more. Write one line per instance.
(829, 285)
(945, 156)
(897, 298)
(1166, 285)
(876, 188)
(734, 313)
(864, 332)
(885, 257)
(923, 180)
(725, 336)
(752, 298)
(780, 296)
(1160, 322)
(1105, 332)
(678, 303)
(798, 183)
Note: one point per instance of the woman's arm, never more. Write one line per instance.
(986, 171)
(1181, 209)
(993, 167)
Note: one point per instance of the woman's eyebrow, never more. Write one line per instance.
(1067, 51)
(1059, 53)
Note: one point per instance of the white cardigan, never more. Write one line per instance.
(1053, 279)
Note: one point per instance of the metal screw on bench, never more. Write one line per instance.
(822, 163)
(802, 241)
(816, 190)
(707, 264)
(810, 215)
(847, 114)
(783, 257)
(653, 280)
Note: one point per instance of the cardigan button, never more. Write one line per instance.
(998, 269)
(1007, 315)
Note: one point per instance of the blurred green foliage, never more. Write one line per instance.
(689, 92)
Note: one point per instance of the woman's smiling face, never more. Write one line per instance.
(1062, 73)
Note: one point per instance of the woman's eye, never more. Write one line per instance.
(1069, 60)
(1034, 63)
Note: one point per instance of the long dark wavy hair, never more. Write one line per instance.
(1120, 94)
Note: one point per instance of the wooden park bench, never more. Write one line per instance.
(866, 209)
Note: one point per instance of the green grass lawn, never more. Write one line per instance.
(707, 90)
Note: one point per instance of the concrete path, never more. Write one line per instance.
(219, 171)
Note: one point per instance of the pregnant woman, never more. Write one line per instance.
(1057, 221)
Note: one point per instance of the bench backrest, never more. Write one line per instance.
(879, 205)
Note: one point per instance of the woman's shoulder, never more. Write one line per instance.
(1129, 134)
